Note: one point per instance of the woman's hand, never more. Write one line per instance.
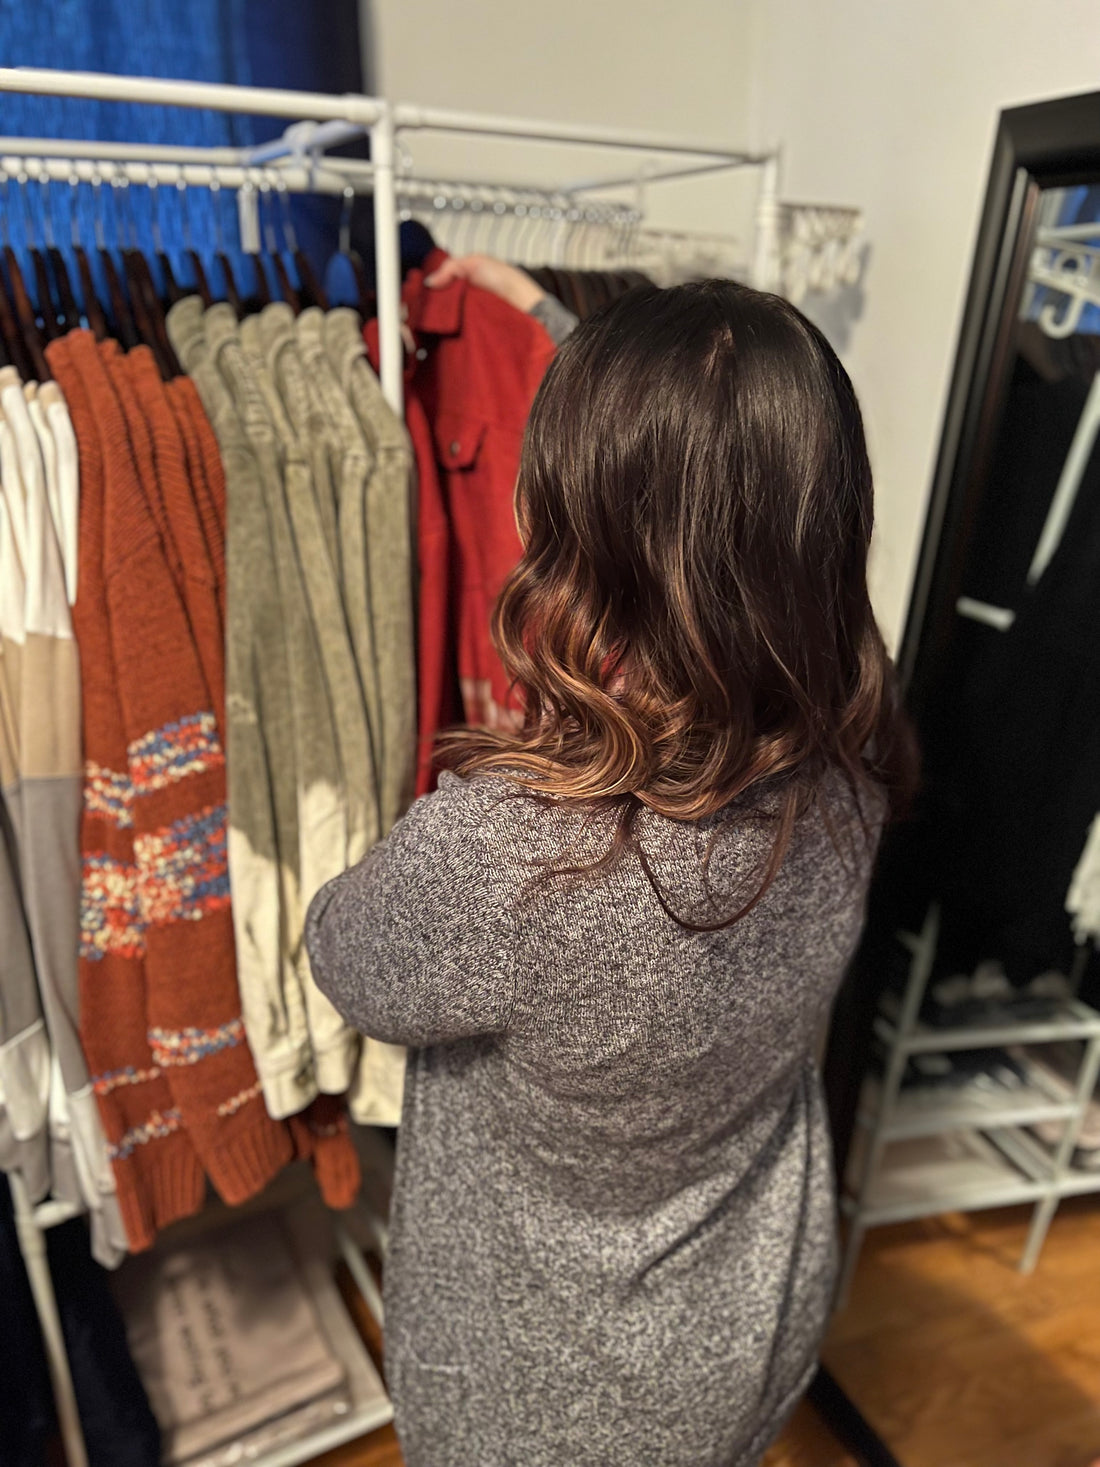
(512, 285)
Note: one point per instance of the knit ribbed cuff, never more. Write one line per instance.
(159, 1192)
(243, 1164)
(336, 1169)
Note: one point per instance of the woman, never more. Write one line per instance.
(611, 936)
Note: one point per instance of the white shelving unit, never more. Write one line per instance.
(920, 1153)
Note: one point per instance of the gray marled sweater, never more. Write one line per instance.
(613, 1229)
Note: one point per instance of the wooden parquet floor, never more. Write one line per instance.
(954, 1357)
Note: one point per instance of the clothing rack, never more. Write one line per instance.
(297, 162)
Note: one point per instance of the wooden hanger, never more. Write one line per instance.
(24, 313)
(171, 289)
(191, 254)
(93, 311)
(365, 297)
(43, 284)
(232, 294)
(14, 346)
(274, 254)
(68, 313)
(147, 303)
(121, 318)
(309, 287)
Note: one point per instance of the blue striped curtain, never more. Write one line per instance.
(313, 46)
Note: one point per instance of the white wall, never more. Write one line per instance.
(887, 104)
(616, 63)
(892, 105)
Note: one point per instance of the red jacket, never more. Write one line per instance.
(469, 387)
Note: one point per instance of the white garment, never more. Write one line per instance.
(68, 480)
(1083, 897)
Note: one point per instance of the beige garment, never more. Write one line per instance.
(68, 480)
(224, 1335)
(353, 462)
(285, 743)
(378, 1084)
(24, 1042)
(50, 795)
(261, 758)
(377, 1093)
(271, 338)
(389, 540)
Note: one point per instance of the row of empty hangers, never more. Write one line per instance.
(139, 289)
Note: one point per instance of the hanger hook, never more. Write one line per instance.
(154, 213)
(74, 212)
(288, 222)
(120, 187)
(345, 220)
(97, 208)
(25, 204)
(4, 232)
(214, 188)
(42, 178)
(185, 210)
(267, 214)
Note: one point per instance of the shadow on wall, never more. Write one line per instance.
(837, 312)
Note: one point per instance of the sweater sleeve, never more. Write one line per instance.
(558, 319)
(416, 944)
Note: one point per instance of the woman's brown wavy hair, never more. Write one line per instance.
(690, 621)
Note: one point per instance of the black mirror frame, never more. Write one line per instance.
(1042, 146)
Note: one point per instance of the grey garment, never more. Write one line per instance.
(612, 1238)
(353, 462)
(272, 341)
(24, 1045)
(389, 540)
(272, 350)
(322, 808)
(558, 320)
(261, 757)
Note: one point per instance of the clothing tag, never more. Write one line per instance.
(248, 220)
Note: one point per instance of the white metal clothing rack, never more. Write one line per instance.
(297, 162)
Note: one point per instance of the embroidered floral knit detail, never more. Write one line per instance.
(115, 1079)
(169, 754)
(110, 911)
(108, 794)
(231, 1106)
(182, 869)
(160, 1124)
(187, 1046)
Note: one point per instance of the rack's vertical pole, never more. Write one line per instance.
(387, 263)
(767, 262)
(32, 1245)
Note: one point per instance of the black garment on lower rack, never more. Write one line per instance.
(1024, 780)
(26, 1403)
(119, 1427)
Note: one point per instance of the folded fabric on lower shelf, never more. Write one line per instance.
(242, 1338)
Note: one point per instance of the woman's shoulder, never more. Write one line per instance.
(487, 806)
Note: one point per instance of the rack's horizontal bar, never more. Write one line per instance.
(215, 96)
(438, 119)
(117, 152)
(296, 179)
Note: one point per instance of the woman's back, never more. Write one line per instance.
(613, 1210)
